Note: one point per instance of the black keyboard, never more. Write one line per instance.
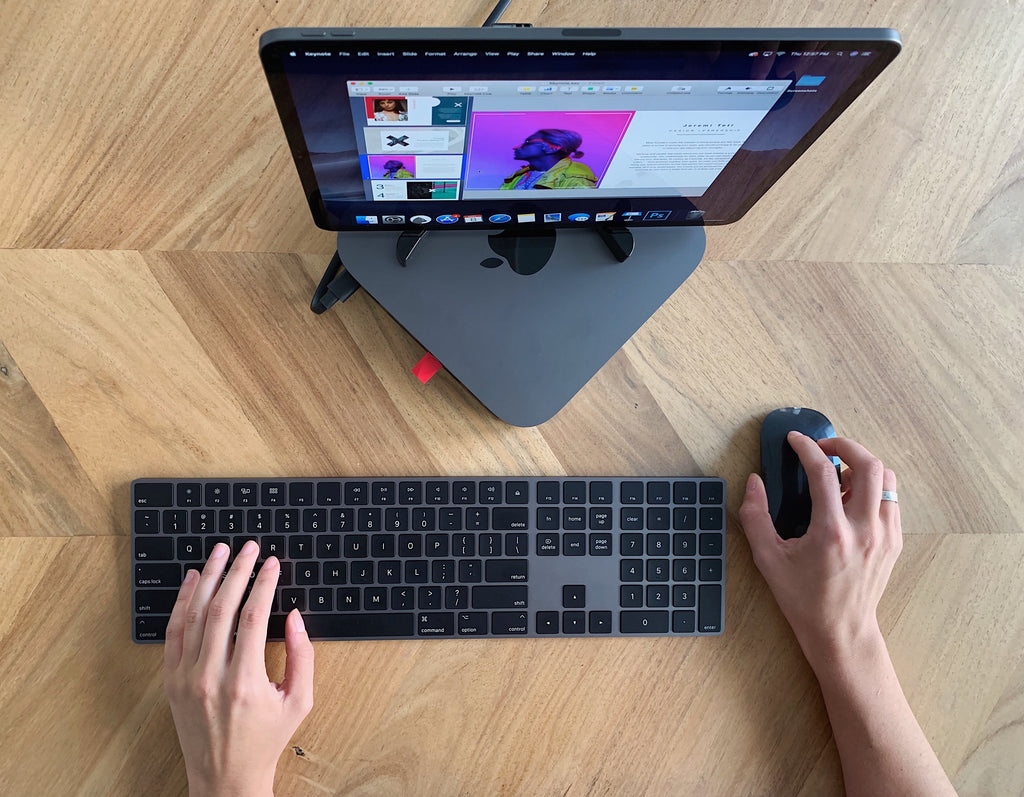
(449, 558)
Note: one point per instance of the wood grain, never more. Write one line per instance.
(155, 276)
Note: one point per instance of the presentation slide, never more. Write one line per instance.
(678, 148)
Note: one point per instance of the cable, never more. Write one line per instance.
(495, 15)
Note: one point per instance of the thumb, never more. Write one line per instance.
(298, 669)
(754, 515)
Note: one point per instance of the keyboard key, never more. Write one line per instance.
(490, 492)
(574, 492)
(574, 622)
(710, 570)
(517, 492)
(245, 494)
(437, 493)
(631, 570)
(158, 575)
(348, 626)
(548, 544)
(155, 601)
(684, 493)
(631, 596)
(600, 622)
(154, 548)
(574, 518)
(510, 518)
(300, 493)
(505, 570)
(600, 519)
(657, 595)
(684, 595)
(709, 609)
(646, 622)
(190, 494)
(657, 492)
(547, 622)
(273, 494)
(631, 493)
(383, 493)
(574, 596)
(472, 623)
(463, 492)
(410, 493)
(356, 493)
(147, 521)
(684, 622)
(154, 494)
(712, 492)
(505, 597)
(574, 544)
(711, 544)
(600, 544)
(711, 518)
(436, 624)
(548, 518)
(548, 493)
(151, 629)
(684, 544)
(601, 492)
(328, 493)
(509, 623)
(217, 494)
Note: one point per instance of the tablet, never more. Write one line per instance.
(483, 128)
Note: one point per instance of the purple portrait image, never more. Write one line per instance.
(389, 166)
(494, 134)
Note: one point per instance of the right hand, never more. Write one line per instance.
(828, 583)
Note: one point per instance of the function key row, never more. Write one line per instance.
(418, 492)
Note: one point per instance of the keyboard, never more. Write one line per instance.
(449, 558)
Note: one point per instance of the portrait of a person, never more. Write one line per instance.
(551, 162)
(395, 170)
(390, 109)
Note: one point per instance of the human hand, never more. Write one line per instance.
(828, 583)
(232, 721)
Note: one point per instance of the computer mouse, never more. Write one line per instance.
(785, 480)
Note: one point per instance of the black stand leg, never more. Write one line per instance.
(619, 241)
(406, 245)
(333, 287)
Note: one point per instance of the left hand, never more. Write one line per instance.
(232, 721)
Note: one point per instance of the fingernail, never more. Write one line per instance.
(250, 547)
(302, 625)
(219, 550)
(190, 576)
(751, 482)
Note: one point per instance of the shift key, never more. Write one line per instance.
(504, 597)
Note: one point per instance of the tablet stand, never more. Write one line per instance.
(522, 342)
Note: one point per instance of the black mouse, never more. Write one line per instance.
(785, 480)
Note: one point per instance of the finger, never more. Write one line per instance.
(251, 642)
(195, 617)
(298, 668)
(755, 517)
(826, 497)
(174, 637)
(865, 474)
(223, 612)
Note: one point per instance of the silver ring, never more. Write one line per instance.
(889, 495)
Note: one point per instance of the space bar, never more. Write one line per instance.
(348, 626)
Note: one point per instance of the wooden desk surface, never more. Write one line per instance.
(157, 266)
